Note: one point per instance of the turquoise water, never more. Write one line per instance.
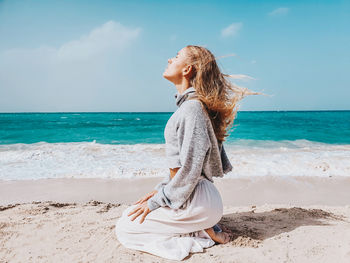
(331, 127)
(119, 145)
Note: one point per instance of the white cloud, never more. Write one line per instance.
(111, 35)
(279, 11)
(231, 30)
(70, 76)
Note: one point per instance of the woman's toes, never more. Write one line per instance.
(222, 237)
(227, 237)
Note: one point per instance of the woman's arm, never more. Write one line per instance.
(173, 171)
(167, 178)
(162, 183)
(194, 144)
(226, 165)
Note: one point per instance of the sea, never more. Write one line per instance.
(129, 144)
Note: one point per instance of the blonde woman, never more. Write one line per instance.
(180, 216)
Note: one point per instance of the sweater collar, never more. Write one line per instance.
(180, 98)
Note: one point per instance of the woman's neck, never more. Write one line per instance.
(181, 87)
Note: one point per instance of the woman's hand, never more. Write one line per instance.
(141, 209)
(146, 197)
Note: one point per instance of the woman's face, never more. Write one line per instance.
(174, 72)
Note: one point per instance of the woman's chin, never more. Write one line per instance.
(166, 76)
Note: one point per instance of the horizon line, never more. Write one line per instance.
(155, 111)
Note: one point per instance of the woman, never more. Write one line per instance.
(180, 216)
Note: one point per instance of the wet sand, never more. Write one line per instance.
(234, 191)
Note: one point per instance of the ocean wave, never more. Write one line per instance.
(95, 160)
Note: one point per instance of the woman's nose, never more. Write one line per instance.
(169, 60)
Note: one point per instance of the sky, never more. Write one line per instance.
(109, 56)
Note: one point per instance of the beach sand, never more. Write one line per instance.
(271, 219)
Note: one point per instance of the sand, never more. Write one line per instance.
(240, 191)
(80, 231)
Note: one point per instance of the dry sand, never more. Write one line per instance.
(59, 232)
(84, 232)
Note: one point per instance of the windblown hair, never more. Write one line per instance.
(218, 95)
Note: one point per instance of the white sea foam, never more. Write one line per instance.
(94, 160)
(288, 158)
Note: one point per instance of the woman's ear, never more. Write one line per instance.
(187, 71)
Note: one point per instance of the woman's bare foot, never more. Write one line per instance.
(224, 228)
(218, 237)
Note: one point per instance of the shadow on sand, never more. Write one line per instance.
(250, 228)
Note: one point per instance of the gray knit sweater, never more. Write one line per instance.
(191, 144)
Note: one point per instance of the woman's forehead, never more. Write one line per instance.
(182, 51)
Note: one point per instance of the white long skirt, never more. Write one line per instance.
(174, 233)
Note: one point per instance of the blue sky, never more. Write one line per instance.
(110, 55)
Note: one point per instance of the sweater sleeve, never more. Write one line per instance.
(194, 143)
(226, 165)
(160, 185)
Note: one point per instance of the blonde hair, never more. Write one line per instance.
(218, 96)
